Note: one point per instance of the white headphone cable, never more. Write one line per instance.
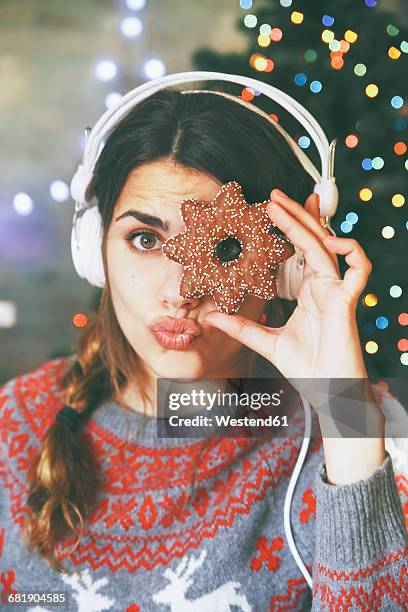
(291, 488)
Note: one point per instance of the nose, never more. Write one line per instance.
(169, 291)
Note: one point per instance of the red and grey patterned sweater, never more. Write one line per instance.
(225, 551)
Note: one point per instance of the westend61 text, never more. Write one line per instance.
(228, 421)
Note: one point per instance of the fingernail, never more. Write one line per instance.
(278, 192)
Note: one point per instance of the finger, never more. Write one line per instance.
(316, 254)
(312, 205)
(251, 334)
(310, 218)
(308, 215)
(356, 276)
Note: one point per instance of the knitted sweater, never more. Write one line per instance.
(226, 550)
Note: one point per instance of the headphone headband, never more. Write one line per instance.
(111, 117)
(86, 236)
(133, 97)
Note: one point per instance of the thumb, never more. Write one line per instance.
(253, 335)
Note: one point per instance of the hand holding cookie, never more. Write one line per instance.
(320, 339)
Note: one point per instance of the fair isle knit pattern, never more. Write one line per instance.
(225, 551)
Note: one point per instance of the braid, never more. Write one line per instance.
(62, 479)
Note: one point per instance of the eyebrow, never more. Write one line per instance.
(145, 218)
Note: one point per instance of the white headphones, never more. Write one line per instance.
(86, 238)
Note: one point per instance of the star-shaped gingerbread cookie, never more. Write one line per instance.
(229, 249)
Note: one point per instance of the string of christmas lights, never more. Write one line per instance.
(343, 52)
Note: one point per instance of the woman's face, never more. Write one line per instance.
(144, 282)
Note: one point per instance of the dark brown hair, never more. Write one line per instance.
(208, 133)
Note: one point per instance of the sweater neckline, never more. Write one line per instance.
(132, 426)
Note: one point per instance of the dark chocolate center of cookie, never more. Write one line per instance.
(228, 249)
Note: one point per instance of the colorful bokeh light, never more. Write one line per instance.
(297, 17)
(300, 79)
(381, 322)
(80, 319)
(388, 232)
(395, 291)
(350, 36)
(371, 90)
(394, 53)
(360, 69)
(402, 344)
(371, 347)
(398, 200)
(327, 36)
(352, 141)
(370, 300)
(327, 20)
(403, 318)
(365, 194)
(400, 148)
(316, 86)
(397, 101)
(276, 35)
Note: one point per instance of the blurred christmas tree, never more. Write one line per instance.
(346, 62)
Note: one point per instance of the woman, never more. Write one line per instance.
(140, 522)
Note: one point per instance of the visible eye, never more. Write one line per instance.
(143, 241)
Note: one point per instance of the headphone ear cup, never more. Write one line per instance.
(86, 246)
(79, 184)
(290, 276)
